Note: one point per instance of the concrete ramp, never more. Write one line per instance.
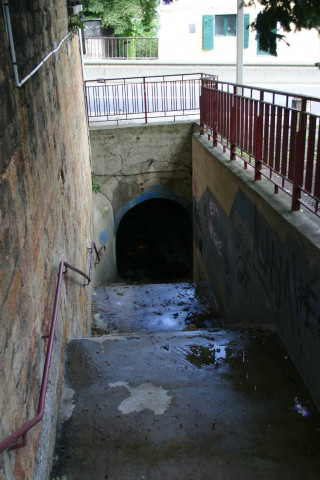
(185, 405)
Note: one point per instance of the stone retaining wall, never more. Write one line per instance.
(45, 217)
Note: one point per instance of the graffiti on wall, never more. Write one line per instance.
(283, 274)
(255, 263)
(271, 266)
(243, 261)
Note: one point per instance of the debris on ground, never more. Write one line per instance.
(189, 328)
(178, 306)
(298, 407)
(98, 331)
(206, 319)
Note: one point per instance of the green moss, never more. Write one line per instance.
(95, 186)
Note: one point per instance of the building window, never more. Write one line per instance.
(259, 49)
(225, 25)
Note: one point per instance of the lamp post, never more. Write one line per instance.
(240, 44)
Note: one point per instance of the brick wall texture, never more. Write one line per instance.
(45, 212)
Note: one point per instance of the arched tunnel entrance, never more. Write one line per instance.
(154, 243)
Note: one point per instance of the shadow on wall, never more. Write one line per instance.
(154, 243)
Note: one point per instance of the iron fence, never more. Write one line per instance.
(274, 132)
(121, 48)
(143, 98)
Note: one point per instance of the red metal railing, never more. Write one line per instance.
(22, 431)
(121, 48)
(136, 98)
(276, 133)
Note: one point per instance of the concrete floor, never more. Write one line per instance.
(175, 404)
(154, 307)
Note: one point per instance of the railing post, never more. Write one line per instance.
(145, 100)
(215, 139)
(259, 138)
(233, 117)
(201, 105)
(298, 166)
(215, 104)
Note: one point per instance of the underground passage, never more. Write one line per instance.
(154, 243)
(159, 246)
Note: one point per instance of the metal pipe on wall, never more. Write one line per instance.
(19, 83)
(10, 38)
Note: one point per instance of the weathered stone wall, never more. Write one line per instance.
(134, 164)
(262, 260)
(45, 217)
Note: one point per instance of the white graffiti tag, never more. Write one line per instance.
(217, 242)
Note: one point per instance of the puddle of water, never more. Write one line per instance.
(256, 366)
(201, 356)
(255, 362)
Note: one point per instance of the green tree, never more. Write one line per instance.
(125, 18)
(290, 15)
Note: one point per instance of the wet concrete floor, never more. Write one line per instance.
(154, 307)
(155, 403)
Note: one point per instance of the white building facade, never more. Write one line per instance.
(204, 32)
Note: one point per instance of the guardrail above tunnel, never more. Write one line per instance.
(123, 100)
(276, 133)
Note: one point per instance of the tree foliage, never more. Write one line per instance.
(127, 18)
(290, 15)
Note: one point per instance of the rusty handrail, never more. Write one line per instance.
(22, 431)
(274, 132)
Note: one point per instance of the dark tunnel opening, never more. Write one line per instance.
(154, 243)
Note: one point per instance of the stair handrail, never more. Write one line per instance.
(22, 431)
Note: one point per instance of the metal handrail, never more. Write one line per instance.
(276, 133)
(121, 38)
(148, 98)
(22, 431)
(124, 79)
(122, 48)
(243, 87)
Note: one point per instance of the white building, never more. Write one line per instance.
(204, 31)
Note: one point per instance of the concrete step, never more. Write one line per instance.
(154, 307)
(184, 405)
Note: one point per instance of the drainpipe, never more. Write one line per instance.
(10, 37)
(81, 52)
(12, 49)
(84, 91)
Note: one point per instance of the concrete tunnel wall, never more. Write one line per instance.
(262, 260)
(134, 164)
